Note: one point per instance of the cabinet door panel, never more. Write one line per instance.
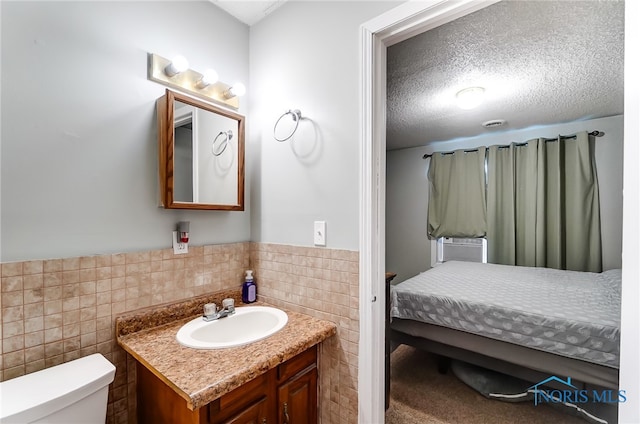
(255, 414)
(298, 399)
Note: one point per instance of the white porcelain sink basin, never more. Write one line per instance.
(248, 324)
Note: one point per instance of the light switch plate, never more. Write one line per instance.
(320, 233)
(179, 248)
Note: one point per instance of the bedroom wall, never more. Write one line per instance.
(408, 249)
(79, 137)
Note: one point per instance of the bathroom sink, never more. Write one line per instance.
(248, 324)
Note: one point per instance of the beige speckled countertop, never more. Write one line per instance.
(201, 376)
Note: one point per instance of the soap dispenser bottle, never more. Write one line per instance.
(249, 289)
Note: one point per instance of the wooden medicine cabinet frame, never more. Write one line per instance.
(166, 151)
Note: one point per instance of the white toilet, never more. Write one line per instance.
(74, 392)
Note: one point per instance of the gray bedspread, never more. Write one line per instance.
(575, 314)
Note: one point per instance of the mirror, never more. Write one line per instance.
(201, 154)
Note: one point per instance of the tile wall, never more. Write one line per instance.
(322, 283)
(54, 311)
(57, 310)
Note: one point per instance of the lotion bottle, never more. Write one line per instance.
(249, 289)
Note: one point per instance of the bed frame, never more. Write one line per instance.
(508, 358)
(526, 363)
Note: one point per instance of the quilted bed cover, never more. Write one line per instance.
(570, 313)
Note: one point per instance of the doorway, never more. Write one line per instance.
(397, 25)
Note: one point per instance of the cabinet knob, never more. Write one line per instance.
(286, 413)
(264, 421)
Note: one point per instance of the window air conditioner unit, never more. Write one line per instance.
(461, 249)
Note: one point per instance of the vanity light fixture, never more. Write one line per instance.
(175, 73)
(208, 77)
(470, 98)
(177, 65)
(237, 89)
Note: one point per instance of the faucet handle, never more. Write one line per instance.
(228, 304)
(210, 309)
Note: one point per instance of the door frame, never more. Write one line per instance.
(401, 23)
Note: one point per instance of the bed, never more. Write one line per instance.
(523, 321)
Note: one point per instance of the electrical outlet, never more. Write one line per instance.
(320, 233)
(179, 248)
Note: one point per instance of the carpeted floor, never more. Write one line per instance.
(420, 395)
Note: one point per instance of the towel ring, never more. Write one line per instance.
(228, 135)
(296, 115)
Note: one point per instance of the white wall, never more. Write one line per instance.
(305, 56)
(407, 248)
(78, 135)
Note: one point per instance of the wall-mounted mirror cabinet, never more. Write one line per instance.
(201, 154)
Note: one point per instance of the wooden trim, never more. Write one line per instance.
(161, 107)
(169, 143)
(241, 136)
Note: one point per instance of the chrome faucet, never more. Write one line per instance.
(212, 313)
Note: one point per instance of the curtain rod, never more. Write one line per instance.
(595, 133)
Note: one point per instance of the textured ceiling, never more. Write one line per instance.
(540, 62)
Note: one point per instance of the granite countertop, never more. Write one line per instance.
(202, 376)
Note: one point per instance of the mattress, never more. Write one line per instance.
(569, 313)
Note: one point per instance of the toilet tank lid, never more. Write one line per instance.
(36, 395)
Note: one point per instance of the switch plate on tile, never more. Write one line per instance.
(179, 248)
(320, 233)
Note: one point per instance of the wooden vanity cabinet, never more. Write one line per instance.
(298, 390)
(256, 413)
(287, 394)
(248, 403)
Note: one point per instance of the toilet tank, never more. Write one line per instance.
(73, 392)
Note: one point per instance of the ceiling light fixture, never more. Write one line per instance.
(470, 98)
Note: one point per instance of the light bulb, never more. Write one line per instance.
(208, 77)
(470, 98)
(238, 89)
(178, 64)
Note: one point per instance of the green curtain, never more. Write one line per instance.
(543, 207)
(457, 202)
